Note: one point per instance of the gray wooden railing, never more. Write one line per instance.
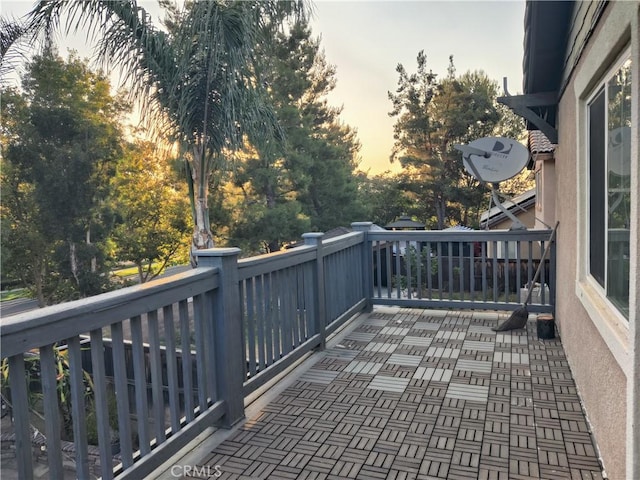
(190, 347)
(460, 269)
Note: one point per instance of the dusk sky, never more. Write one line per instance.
(366, 40)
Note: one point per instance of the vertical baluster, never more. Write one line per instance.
(518, 270)
(419, 269)
(543, 273)
(389, 249)
(450, 272)
(78, 412)
(248, 293)
(20, 402)
(209, 331)
(495, 271)
(329, 288)
(140, 378)
(187, 363)
(429, 268)
(398, 268)
(472, 271)
(507, 271)
(122, 394)
(101, 404)
(268, 318)
(461, 268)
(341, 281)
(156, 376)
(407, 256)
(198, 313)
(276, 314)
(300, 307)
(484, 270)
(48, 373)
(172, 368)
(378, 255)
(530, 265)
(440, 279)
(287, 296)
(260, 321)
(308, 300)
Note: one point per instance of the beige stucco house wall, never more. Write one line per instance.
(602, 345)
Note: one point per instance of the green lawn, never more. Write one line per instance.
(13, 294)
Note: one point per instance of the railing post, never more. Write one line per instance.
(227, 328)
(315, 239)
(367, 263)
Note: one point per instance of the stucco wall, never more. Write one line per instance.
(601, 381)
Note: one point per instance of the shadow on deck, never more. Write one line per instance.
(405, 393)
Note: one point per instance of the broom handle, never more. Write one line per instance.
(544, 255)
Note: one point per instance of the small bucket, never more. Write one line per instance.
(546, 326)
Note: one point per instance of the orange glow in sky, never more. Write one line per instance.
(366, 39)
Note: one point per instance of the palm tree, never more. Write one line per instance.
(12, 32)
(196, 80)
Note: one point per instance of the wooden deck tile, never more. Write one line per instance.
(412, 394)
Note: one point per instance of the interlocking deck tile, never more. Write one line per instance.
(377, 322)
(430, 326)
(381, 347)
(450, 335)
(407, 360)
(482, 329)
(369, 368)
(434, 468)
(488, 473)
(473, 366)
(341, 353)
(398, 331)
(361, 336)
(319, 376)
(435, 374)
(422, 394)
(390, 384)
(478, 346)
(443, 352)
(468, 392)
(416, 341)
(343, 469)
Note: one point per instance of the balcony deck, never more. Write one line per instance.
(405, 393)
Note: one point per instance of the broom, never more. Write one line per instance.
(519, 317)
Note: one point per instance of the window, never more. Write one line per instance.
(609, 150)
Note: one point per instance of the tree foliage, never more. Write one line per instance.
(308, 181)
(151, 209)
(63, 140)
(432, 116)
(196, 79)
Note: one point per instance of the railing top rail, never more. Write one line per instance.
(343, 241)
(270, 262)
(460, 236)
(28, 330)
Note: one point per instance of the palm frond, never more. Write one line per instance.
(12, 44)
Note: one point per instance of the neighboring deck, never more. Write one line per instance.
(406, 393)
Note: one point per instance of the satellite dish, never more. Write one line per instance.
(494, 159)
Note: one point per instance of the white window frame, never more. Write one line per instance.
(612, 325)
(602, 88)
